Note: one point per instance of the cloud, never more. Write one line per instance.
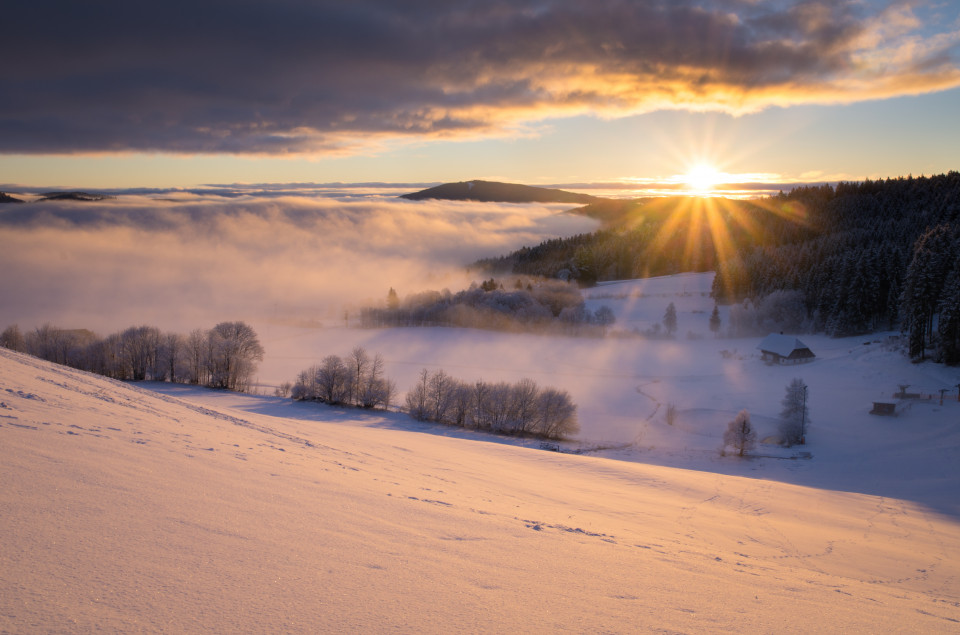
(188, 263)
(290, 77)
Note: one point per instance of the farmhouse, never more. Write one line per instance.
(784, 349)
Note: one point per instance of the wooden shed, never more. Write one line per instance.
(784, 349)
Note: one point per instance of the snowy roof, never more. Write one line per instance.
(782, 345)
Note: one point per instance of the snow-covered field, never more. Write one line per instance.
(185, 510)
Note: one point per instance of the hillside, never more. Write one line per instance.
(74, 196)
(199, 510)
(6, 198)
(494, 192)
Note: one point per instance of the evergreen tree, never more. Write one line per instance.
(715, 320)
(795, 415)
(670, 319)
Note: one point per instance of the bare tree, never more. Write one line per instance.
(461, 403)
(139, 347)
(196, 353)
(524, 406)
(740, 433)
(439, 395)
(12, 339)
(333, 380)
(558, 414)
(377, 391)
(234, 351)
(359, 362)
(417, 398)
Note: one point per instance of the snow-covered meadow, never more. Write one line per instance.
(623, 386)
(188, 510)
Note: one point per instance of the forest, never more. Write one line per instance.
(844, 260)
(507, 305)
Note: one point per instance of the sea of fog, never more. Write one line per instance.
(183, 260)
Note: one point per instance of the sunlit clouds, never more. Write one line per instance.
(286, 78)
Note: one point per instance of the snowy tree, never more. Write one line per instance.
(670, 320)
(418, 397)
(195, 354)
(393, 300)
(715, 320)
(933, 258)
(377, 390)
(334, 380)
(740, 433)
(949, 323)
(12, 338)
(604, 317)
(795, 416)
(439, 395)
(233, 351)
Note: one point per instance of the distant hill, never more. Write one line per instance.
(73, 196)
(6, 198)
(493, 192)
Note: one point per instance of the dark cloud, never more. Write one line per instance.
(292, 76)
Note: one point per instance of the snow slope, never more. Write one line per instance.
(622, 387)
(126, 509)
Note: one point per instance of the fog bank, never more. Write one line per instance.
(189, 261)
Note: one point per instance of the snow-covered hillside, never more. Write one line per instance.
(624, 385)
(125, 509)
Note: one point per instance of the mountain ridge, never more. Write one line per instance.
(497, 192)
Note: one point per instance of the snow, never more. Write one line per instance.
(162, 507)
(782, 345)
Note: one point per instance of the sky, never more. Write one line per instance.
(108, 94)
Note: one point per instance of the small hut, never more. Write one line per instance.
(784, 349)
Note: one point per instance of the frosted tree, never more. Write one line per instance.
(233, 353)
(740, 433)
(13, 339)
(670, 320)
(334, 380)
(417, 398)
(715, 320)
(604, 317)
(795, 416)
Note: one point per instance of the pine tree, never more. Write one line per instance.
(795, 416)
(715, 320)
(670, 319)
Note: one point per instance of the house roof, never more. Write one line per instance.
(782, 345)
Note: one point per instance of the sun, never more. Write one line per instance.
(702, 178)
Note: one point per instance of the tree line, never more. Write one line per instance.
(522, 408)
(510, 305)
(843, 260)
(871, 255)
(224, 356)
(355, 380)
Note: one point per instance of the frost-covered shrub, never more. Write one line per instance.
(523, 408)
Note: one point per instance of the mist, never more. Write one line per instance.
(187, 262)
